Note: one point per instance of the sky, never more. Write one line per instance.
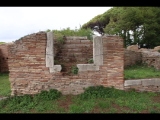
(16, 22)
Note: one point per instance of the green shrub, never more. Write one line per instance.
(63, 67)
(2, 42)
(68, 32)
(100, 92)
(48, 95)
(90, 60)
(74, 70)
(18, 103)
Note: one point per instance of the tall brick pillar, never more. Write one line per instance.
(112, 69)
(113, 60)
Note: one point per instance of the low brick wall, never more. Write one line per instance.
(152, 85)
(151, 59)
(29, 74)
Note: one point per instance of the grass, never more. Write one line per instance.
(141, 71)
(116, 101)
(2, 42)
(5, 89)
(96, 99)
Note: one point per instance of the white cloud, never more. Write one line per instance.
(17, 22)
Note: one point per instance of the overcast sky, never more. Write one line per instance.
(16, 22)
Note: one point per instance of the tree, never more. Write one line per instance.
(135, 24)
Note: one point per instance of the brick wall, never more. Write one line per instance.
(151, 59)
(3, 58)
(27, 63)
(113, 62)
(29, 74)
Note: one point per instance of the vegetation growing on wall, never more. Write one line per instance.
(59, 34)
(2, 42)
(74, 70)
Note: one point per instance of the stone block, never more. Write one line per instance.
(157, 82)
(49, 50)
(92, 67)
(82, 67)
(148, 82)
(49, 60)
(55, 68)
(97, 50)
(87, 67)
(132, 82)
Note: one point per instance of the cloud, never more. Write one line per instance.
(17, 22)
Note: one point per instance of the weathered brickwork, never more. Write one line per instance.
(75, 50)
(26, 59)
(29, 74)
(131, 57)
(113, 62)
(151, 57)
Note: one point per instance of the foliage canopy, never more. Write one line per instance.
(134, 24)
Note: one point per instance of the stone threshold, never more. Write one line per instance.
(143, 82)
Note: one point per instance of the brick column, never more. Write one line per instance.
(113, 60)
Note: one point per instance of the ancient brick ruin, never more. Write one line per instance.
(32, 68)
(151, 57)
(37, 62)
(73, 51)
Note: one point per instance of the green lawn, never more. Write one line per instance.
(141, 72)
(5, 89)
(93, 100)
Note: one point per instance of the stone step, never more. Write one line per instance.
(2, 98)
